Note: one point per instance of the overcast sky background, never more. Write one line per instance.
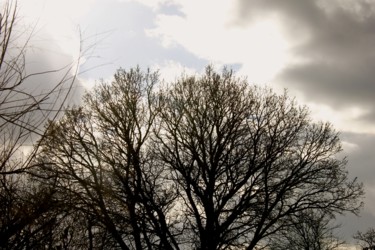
(322, 51)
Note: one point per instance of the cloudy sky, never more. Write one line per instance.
(322, 51)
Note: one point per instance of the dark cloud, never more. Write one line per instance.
(299, 13)
(340, 85)
(334, 43)
(361, 159)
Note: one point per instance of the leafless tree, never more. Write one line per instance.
(101, 158)
(366, 239)
(23, 114)
(208, 162)
(308, 230)
(244, 158)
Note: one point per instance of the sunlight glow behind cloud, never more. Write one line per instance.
(56, 22)
(210, 33)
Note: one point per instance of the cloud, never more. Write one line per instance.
(170, 71)
(332, 49)
(321, 49)
(360, 151)
(362, 158)
(50, 62)
(206, 29)
(54, 44)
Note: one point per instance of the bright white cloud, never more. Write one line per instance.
(170, 70)
(154, 4)
(56, 22)
(208, 31)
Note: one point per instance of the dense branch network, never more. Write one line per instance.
(27, 210)
(205, 162)
(208, 162)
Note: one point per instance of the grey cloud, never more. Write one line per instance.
(339, 85)
(49, 67)
(49, 73)
(303, 12)
(361, 161)
(336, 45)
(170, 8)
(338, 54)
(350, 224)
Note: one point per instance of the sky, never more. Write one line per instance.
(322, 51)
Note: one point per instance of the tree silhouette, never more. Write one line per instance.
(102, 161)
(306, 230)
(208, 162)
(367, 238)
(23, 112)
(244, 159)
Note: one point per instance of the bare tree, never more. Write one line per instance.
(208, 162)
(244, 159)
(101, 158)
(310, 230)
(23, 114)
(366, 239)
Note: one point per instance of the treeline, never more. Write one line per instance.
(205, 162)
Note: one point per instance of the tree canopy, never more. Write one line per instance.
(205, 162)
